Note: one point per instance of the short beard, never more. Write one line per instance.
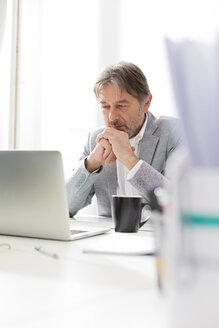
(135, 125)
(130, 131)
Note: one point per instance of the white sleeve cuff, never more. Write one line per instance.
(133, 171)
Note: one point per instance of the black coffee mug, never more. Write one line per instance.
(126, 213)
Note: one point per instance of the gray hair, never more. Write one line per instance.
(126, 76)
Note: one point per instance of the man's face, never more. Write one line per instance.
(121, 110)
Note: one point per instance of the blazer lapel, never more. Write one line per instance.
(148, 143)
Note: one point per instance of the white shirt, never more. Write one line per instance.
(124, 187)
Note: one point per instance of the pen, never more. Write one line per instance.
(42, 251)
(89, 251)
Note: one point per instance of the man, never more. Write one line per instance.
(127, 156)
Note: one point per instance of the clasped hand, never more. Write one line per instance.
(112, 144)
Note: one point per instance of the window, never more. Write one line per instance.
(62, 47)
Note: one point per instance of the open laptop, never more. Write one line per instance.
(33, 201)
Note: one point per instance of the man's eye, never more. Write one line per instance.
(105, 107)
(121, 106)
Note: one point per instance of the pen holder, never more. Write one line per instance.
(193, 249)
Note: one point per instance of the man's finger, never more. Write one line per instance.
(107, 148)
(111, 158)
(107, 134)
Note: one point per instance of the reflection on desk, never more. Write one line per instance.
(77, 289)
(108, 222)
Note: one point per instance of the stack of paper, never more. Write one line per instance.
(131, 244)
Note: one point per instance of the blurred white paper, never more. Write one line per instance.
(122, 244)
(194, 70)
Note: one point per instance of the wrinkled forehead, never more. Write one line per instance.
(112, 92)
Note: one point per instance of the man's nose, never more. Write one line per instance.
(113, 114)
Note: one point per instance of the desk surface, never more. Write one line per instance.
(77, 289)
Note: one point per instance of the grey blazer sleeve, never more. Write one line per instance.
(147, 178)
(79, 188)
(80, 185)
(152, 172)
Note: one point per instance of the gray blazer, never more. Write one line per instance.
(159, 141)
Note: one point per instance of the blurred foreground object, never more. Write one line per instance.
(192, 219)
(194, 70)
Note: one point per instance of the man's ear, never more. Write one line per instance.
(147, 103)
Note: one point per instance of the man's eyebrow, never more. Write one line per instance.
(122, 101)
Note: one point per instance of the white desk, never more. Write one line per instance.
(77, 290)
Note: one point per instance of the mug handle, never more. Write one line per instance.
(143, 222)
